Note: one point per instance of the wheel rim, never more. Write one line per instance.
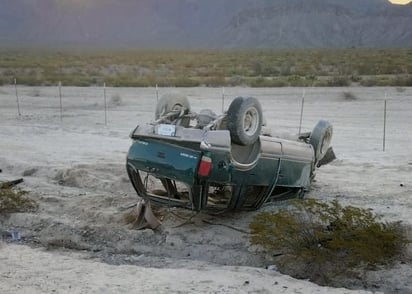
(251, 121)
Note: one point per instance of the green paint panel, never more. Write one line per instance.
(164, 160)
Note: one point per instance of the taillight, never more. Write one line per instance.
(205, 166)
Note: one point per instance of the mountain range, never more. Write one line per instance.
(210, 24)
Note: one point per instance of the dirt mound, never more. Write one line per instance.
(107, 177)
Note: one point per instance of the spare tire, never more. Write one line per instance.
(172, 102)
(244, 120)
(320, 138)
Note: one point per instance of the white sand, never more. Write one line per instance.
(24, 270)
(75, 170)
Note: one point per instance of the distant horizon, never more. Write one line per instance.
(213, 24)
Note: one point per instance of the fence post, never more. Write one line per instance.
(301, 112)
(223, 99)
(60, 99)
(105, 104)
(384, 125)
(17, 97)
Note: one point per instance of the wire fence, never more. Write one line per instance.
(375, 118)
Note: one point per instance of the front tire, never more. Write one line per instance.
(320, 138)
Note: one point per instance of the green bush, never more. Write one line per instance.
(322, 241)
(12, 200)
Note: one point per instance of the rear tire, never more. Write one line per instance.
(244, 120)
(171, 102)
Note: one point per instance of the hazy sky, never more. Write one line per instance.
(82, 2)
(400, 1)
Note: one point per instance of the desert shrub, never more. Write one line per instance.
(116, 99)
(257, 67)
(258, 82)
(12, 200)
(217, 81)
(355, 78)
(299, 81)
(142, 68)
(123, 81)
(34, 92)
(266, 82)
(79, 81)
(141, 82)
(278, 82)
(236, 81)
(321, 82)
(322, 241)
(28, 80)
(338, 81)
(368, 82)
(349, 96)
(402, 81)
(183, 82)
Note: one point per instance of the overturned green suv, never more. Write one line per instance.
(230, 161)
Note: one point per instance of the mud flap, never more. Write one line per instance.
(145, 218)
(199, 200)
(327, 158)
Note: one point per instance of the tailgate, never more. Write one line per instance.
(164, 160)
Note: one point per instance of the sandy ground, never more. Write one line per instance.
(73, 165)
